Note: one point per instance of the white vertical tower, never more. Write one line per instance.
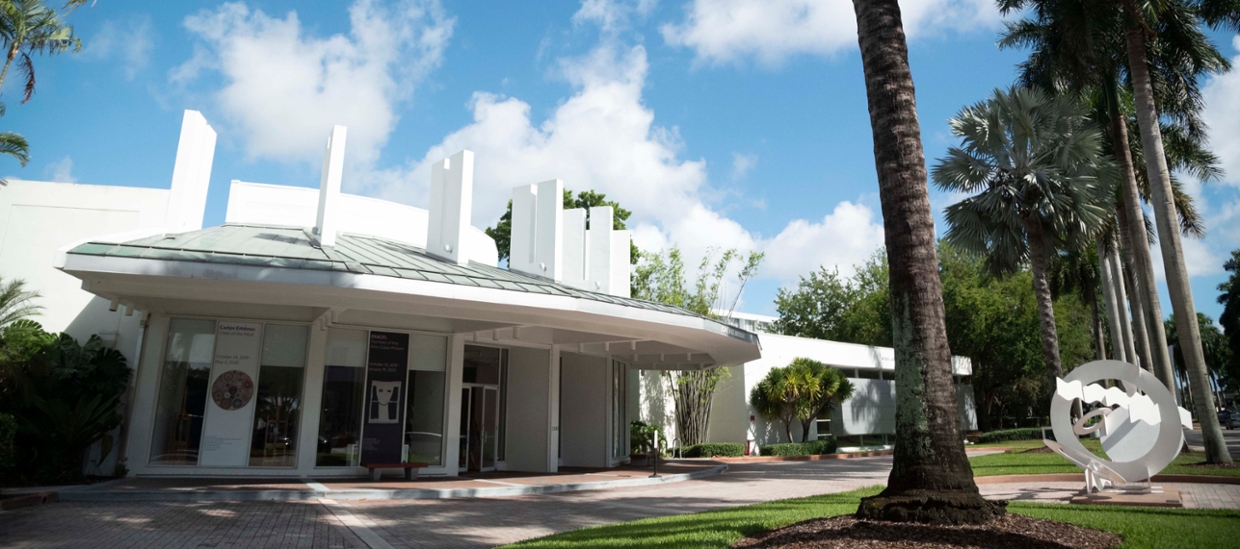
(608, 264)
(575, 251)
(191, 175)
(537, 230)
(327, 224)
(452, 197)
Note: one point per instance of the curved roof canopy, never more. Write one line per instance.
(367, 279)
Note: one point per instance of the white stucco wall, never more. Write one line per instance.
(37, 218)
(583, 411)
(530, 411)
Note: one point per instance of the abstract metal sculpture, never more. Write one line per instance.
(1139, 425)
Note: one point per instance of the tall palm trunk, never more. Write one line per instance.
(931, 480)
(1110, 301)
(1046, 306)
(1142, 264)
(1165, 216)
(1140, 334)
(1121, 301)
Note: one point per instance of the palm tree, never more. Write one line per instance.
(1082, 43)
(16, 302)
(13, 144)
(1041, 185)
(1179, 20)
(28, 27)
(785, 395)
(833, 389)
(930, 480)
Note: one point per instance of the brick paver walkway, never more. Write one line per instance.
(478, 522)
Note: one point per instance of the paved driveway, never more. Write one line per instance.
(1230, 436)
(417, 523)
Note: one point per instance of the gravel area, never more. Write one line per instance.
(1009, 532)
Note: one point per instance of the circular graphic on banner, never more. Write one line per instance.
(232, 390)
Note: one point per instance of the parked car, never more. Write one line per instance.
(1229, 419)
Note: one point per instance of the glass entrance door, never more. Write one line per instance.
(479, 427)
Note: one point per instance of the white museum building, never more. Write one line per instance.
(315, 332)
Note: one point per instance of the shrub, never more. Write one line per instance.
(8, 444)
(1028, 433)
(714, 449)
(642, 437)
(812, 448)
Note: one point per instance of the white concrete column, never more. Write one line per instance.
(312, 397)
(191, 175)
(146, 387)
(328, 223)
(553, 419)
(452, 199)
(452, 433)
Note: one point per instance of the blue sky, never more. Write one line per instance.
(720, 123)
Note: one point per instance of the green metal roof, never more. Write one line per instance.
(290, 248)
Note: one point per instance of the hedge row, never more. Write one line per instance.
(8, 449)
(714, 449)
(1027, 433)
(812, 448)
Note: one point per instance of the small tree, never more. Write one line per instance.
(662, 278)
(799, 392)
(833, 389)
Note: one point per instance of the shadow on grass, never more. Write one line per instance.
(719, 528)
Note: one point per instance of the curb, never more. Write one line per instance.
(27, 500)
(821, 457)
(1080, 477)
(354, 495)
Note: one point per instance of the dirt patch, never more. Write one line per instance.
(1038, 450)
(1009, 532)
(1211, 466)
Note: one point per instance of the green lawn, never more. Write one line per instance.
(1160, 528)
(1019, 462)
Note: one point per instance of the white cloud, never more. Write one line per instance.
(770, 31)
(605, 139)
(284, 88)
(60, 171)
(611, 15)
(1222, 113)
(846, 237)
(1198, 258)
(130, 41)
(742, 164)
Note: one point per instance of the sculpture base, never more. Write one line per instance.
(1157, 496)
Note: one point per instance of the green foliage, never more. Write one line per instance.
(811, 448)
(994, 322)
(64, 396)
(714, 449)
(662, 278)
(501, 233)
(801, 391)
(1230, 319)
(1214, 346)
(1029, 433)
(8, 444)
(642, 437)
(828, 306)
(30, 27)
(16, 302)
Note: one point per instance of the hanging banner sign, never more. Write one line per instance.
(228, 425)
(386, 368)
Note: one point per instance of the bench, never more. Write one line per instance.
(409, 467)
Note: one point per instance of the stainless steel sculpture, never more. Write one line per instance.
(1139, 425)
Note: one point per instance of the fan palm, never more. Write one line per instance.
(30, 26)
(16, 302)
(1034, 165)
(930, 480)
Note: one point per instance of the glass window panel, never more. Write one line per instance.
(618, 400)
(489, 427)
(276, 417)
(424, 417)
(177, 433)
(428, 353)
(285, 345)
(347, 347)
(344, 383)
(481, 365)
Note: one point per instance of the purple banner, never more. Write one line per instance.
(386, 367)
